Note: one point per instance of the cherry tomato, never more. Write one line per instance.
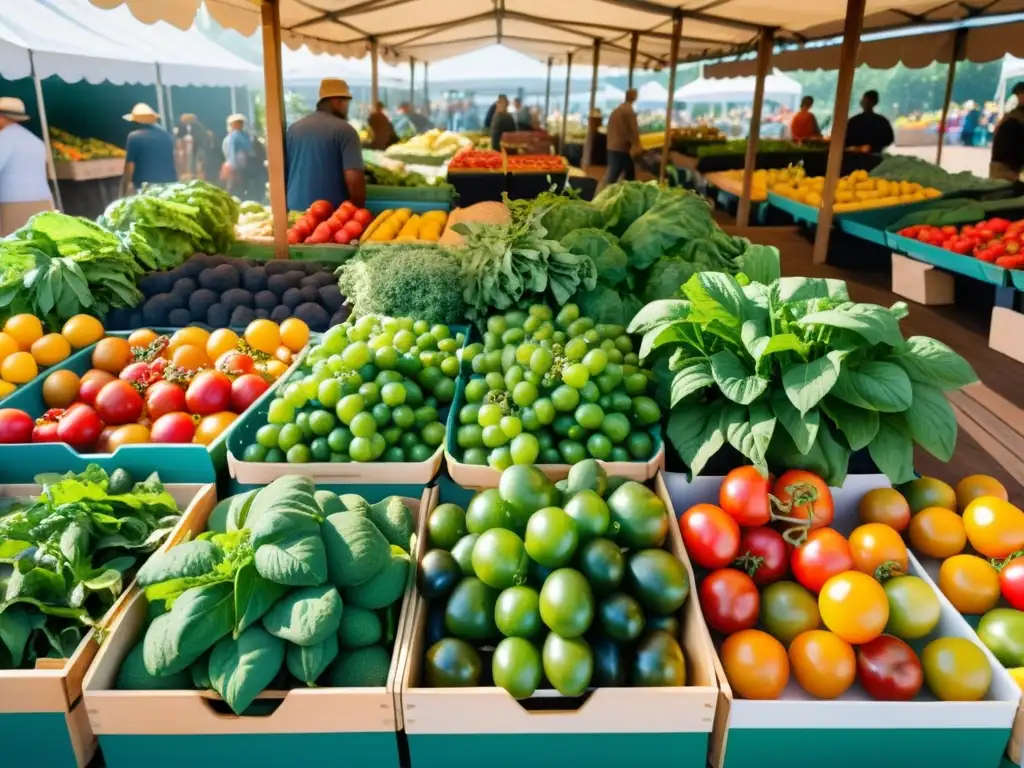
(823, 555)
(886, 506)
(888, 669)
(245, 390)
(235, 363)
(970, 583)
(729, 600)
(45, 431)
(127, 434)
(1011, 582)
(854, 606)
(211, 427)
(925, 492)
(994, 527)
(135, 373)
(744, 496)
(755, 664)
(176, 427)
(710, 536)
(119, 403)
(873, 545)
(824, 664)
(937, 532)
(79, 427)
(975, 486)
(209, 392)
(955, 669)
(164, 397)
(913, 607)
(763, 555)
(787, 610)
(809, 494)
(16, 426)
(92, 383)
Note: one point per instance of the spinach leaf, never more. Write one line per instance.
(305, 616)
(241, 668)
(199, 618)
(308, 662)
(189, 559)
(254, 595)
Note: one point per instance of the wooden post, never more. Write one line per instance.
(634, 44)
(374, 80)
(547, 96)
(959, 37)
(847, 66)
(565, 110)
(673, 62)
(764, 59)
(588, 142)
(274, 87)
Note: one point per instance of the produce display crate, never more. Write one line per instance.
(472, 727)
(477, 476)
(855, 730)
(799, 211)
(414, 159)
(949, 261)
(43, 720)
(86, 170)
(871, 224)
(171, 729)
(477, 185)
(526, 185)
(398, 196)
(262, 249)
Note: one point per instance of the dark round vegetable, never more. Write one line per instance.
(200, 302)
(236, 297)
(309, 293)
(277, 283)
(217, 316)
(261, 314)
(294, 278)
(292, 298)
(185, 287)
(265, 300)
(314, 316)
(179, 318)
(242, 316)
(254, 279)
(280, 313)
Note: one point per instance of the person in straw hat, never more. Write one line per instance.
(237, 149)
(149, 151)
(324, 157)
(24, 190)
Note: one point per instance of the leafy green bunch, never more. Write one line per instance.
(795, 375)
(70, 552)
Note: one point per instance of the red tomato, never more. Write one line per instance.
(333, 224)
(15, 426)
(294, 237)
(119, 403)
(245, 390)
(92, 383)
(235, 363)
(341, 216)
(809, 495)
(363, 216)
(1011, 582)
(45, 431)
(80, 427)
(209, 392)
(889, 669)
(135, 373)
(729, 600)
(321, 209)
(177, 427)
(348, 206)
(302, 228)
(710, 536)
(341, 237)
(744, 497)
(164, 397)
(354, 229)
(763, 555)
(824, 554)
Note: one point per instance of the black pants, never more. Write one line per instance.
(619, 164)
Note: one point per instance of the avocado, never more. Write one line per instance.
(217, 316)
(452, 663)
(659, 662)
(309, 293)
(241, 317)
(254, 279)
(276, 283)
(179, 318)
(261, 314)
(236, 297)
(292, 298)
(439, 573)
(359, 628)
(280, 313)
(265, 300)
(185, 287)
(329, 297)
(314, 316)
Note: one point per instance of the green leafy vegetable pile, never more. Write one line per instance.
(739, 147)
(66, 556)
(907, 168)
(288, 586)
(388, 177)
(795, 375)
(421, 281)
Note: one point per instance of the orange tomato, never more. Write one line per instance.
(222, 340)
(191, 357)
(283, 354)
(112, 354)
(142, 337)
(994, 527)
(886, 506)
(50, 349)
(263, 335)
(19, 368)
(274, 368)
(192, 335)
(211, 426)
(8, 346)
(874, 544)
(976, 486)
(970, 583)
(24, 329)
(60, 388)
(823, 663)
(82, 330)
(937, 532)
(755, 664)
(854, 606)
(294, 334)
(127, 434)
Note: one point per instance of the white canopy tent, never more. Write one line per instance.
(1011, 72)
(501, 69)
(652, 92)
(304, 66)
(777, 87)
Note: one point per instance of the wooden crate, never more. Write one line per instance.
(86, 170)
(921, 282)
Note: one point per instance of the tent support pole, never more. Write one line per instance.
(44, 127)
(764, 60)
(426, 87)
(160, 98)
(374, 79)
(547, 95)
(234, 102)
(847, 67)
(170, 108)
(634, 44)
(565, 110)
(673, 62)
(959, 38)
(412, 81)
(588, 146)
(274, 86)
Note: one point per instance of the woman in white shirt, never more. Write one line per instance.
(24, 190)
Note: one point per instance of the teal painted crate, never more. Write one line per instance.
(473, 727)
(799, 211)
(855, 730)
(399, 197)
(358, 726)
(50, 739)
(871, 224)
(263, 250)
(949, 261)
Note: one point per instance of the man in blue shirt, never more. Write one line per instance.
(149, 151)
(323, 154)
(23, 187)
(237, 150)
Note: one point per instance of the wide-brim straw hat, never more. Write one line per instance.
(236, 118)
(13, 109)
(142, 113)
(334, 88)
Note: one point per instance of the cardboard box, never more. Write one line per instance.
(1006, 334)
(921, 282)
(472, 727)
(43, 719)
(190, 727)
(800, 731)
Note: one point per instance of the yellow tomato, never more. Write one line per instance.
(294, 334)
(937, 532)
(6, 388)
(8, 346)
(24, 329)
(193, 335)
(18, 368)
(283, 354)
(955, 669)
(975, 486)
(263, 335)
(142, 337)
(51, 349)
(222, 340)
(274, 368)
(82, 330)
(191, 357)
(128, 434)
(1017, 673)
(994, 527)
(854, 606)
(60, 388)
(823, 664)
(210, 427)
(969, 583)
(874, 544)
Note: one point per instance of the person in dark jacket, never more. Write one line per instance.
(502, 122)
(149, 151)
(869, 131)
(492, 109)
(1008, 141)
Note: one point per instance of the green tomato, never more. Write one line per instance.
(298, 454)
(493, 436)
(787, 610)
(500, 458)
(913, 607)
(646, 410)
(511, 426)
(321, 422)
(433, 434)
(254, 452)
(280, 411)
(362, 426)
(267, 435)
(392, 394)
(571, 451)
(545, 410)
(404, 417)
(565, 398)
(616, 427)
(599, 446)
(339, 440)
(470, 436)
(524, 449)
(489, 415)
(589, 416)
(289, 436)
(640, 445)
(576, 375)
(595, 360)
(349, 407)
(329, 393)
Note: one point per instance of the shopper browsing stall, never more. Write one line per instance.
(1008, 141)
(381, 127)
(237, 148)
(502, 122)
(805, 124)
(869, 131)
(23, 187)
(149, 151)
(323, 155)
(623, 140)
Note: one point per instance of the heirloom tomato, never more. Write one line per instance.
(755, 664)
(744, 496)
(787, 610)
(886, 506)
(854, 606)
(763, 555)
(729, 600)
(823, 664)
(805, 496)
(888, 669)
(710, 536)
(823, 555)
(994, 527)
(873, 545)
(970, 583)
